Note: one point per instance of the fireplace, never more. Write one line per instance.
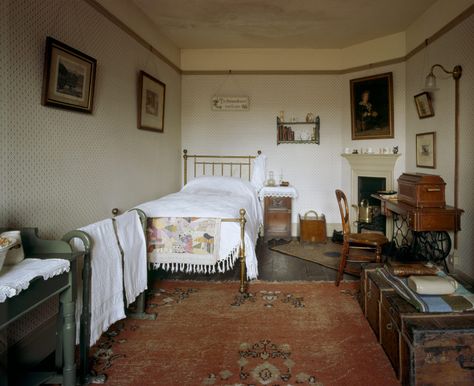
(366, 186)
(375, 171)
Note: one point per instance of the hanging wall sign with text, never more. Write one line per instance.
(230, 103)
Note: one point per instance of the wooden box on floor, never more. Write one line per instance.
(313, 228)
(424, 349)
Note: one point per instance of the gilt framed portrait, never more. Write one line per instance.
(426, 150)
(423, 105)
(68, 77)
(151, 103)
(372, 107)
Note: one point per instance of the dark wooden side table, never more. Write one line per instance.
(38, 292)
(277, 211)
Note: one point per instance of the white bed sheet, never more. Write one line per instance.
(217, 197)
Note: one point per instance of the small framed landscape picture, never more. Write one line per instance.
(69, 77)
(426, 150)
(423, 105)
(151, 103)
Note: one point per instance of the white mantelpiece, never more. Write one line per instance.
(371, 165)
(381, 165)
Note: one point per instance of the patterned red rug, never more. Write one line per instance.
(297, 333)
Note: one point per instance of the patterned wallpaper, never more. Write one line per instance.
(60, 169)
(455, 47)
(315, 171)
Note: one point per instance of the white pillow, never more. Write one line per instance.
(258, 172)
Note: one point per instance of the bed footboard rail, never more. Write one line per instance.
(242, 258)
(140, 303)
(85, 376)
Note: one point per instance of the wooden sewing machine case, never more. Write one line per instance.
(422, 190)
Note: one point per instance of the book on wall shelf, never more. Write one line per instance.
(298, 132)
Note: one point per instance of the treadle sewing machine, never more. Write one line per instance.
(421, 218)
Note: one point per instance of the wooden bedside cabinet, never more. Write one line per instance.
(277, 201)
(277, 221)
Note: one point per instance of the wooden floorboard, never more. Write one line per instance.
(272, 266)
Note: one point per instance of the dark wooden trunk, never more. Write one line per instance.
(424, 348)
(442, 349)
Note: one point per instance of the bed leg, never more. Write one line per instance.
(139, 312)
(243, 283)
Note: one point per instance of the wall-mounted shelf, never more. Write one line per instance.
(304, 133)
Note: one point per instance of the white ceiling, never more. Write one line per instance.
(279, 23)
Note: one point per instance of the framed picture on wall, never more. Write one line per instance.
(68, 78)
(151, 103)
(423, 105)
(426, 150)
(372, 107)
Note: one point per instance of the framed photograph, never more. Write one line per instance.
(423, 105)
(372, 107)
(151, 103)
(426, 150)
(68, 78)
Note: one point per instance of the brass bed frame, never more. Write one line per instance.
(223, 163)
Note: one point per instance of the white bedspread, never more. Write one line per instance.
(217, 197)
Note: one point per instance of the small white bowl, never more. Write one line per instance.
(4, 250)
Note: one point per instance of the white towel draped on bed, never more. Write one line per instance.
(132, 240)
(106, 279)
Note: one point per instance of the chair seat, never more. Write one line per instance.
(372, 239)
(356, 241)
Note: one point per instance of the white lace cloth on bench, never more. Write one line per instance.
(16, 278)
(215, 197)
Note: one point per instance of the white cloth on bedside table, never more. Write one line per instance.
(277, 191)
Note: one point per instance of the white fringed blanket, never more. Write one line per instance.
(211, 198)
(183, 242)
